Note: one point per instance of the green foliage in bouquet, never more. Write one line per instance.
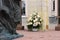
(34, 20)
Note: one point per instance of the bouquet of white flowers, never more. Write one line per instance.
(34, 21)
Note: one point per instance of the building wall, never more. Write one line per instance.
(40, 6)
(43, 7)
(37, 6)
(50, 8)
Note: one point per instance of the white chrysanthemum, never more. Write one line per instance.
(37, 23)
(35, 20)
(34, 24)
(40, 19)
(38, 16)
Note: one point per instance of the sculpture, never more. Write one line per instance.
(9, 18)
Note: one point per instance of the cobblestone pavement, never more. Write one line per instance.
(46, 35)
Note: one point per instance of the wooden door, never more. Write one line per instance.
(59, 11)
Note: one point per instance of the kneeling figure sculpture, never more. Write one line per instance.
(9, 18)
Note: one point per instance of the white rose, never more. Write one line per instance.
(37, 23)
(38, 16)
(40, 19)
(34, 21)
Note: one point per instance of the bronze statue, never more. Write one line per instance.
(9, 16)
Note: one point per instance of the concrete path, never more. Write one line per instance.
(46, 35)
